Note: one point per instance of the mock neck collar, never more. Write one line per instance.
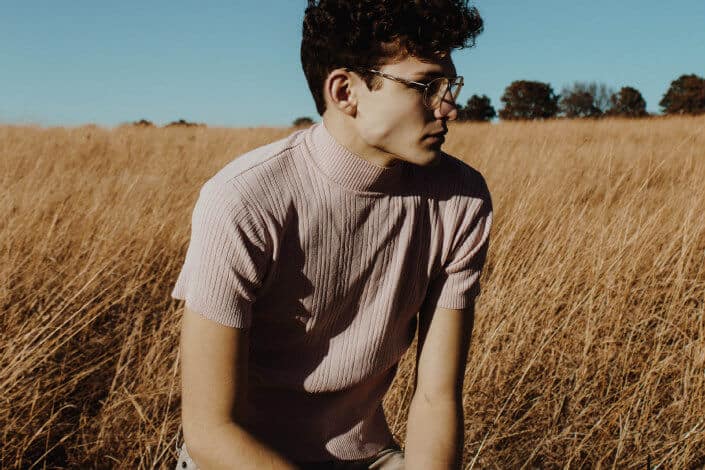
(350, 170)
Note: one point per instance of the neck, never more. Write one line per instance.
(345, 132)
(348, 170)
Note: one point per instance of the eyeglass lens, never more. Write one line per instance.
(438, 89)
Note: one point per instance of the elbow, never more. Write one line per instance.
(194, 441)
(200, 438)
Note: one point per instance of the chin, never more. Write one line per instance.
(436, 160)
(430, 157)
(425, 159)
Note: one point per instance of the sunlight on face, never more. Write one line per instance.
(393, 120)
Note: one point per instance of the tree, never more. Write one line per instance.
(686, 95)
(143, 123)
(528, 100)
(578, 104)
(302, 122)
(628, 102)
(601, 93)
(184, 123)
(584, 99)
(478, 108)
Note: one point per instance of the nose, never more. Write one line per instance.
(447, 109)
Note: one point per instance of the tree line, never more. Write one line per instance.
(524, 99)
(179, 123)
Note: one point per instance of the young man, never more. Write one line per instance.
(313, 258)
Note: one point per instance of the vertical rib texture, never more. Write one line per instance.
(326, 259)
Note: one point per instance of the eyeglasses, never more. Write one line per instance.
(434, 92)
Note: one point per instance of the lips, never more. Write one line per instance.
(438, 134)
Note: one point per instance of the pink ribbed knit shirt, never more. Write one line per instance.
(327, 258)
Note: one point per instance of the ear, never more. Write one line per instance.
(341, 92)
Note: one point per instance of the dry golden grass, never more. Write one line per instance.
(589, 349)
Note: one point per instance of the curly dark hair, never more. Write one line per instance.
(371, 33)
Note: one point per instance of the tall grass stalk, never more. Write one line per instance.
(589, 347)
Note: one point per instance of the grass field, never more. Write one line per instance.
(589, 348)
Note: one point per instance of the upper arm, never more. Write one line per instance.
(214, 361)
(444, 339)
(447, 315)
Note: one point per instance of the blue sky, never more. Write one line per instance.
(236, 63)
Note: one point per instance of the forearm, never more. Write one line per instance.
(434, 434)
(230, 446)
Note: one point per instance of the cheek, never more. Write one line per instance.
(393, 120)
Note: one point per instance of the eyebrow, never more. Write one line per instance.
(430, 74)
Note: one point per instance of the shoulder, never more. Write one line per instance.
(261, 160)
(254, 178)
(453, 179)
(244, 186)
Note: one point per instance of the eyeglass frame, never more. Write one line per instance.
(417, 85)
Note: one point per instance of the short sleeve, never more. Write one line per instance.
(458, 282)
(227, 258)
